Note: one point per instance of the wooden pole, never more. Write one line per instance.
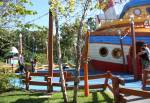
(121, 43)
(134, 48)
(86, 84)
(20, 37)
(50, 49)
(115, 84)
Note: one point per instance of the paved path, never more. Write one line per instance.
(137, 99)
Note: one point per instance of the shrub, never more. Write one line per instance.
(6, 81)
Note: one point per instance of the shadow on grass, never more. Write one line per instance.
(97, 99)
(107, 97)
(31, 100)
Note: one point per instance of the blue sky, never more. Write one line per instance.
(42, 7)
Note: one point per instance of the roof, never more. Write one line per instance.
(134, 3)
(116, 39)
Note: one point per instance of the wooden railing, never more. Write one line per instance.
(48, 80)
(116, 88)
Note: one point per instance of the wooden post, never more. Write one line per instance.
(86, 84)
(20, 43)
(121, 43)
(115, 83)
(50, 48)
(134, 48)
(106, 80)
(27, 80)
(144, 78)
(49, 86)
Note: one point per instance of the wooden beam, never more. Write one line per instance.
(38, 83)
(38, 74)
(96, 86)
(50, 45)
(90, 77)
(134, 62)
(144, 94)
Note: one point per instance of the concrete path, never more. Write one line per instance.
(137, 99)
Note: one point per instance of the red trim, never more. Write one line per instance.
(108, 66)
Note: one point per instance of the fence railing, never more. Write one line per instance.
(116, 87)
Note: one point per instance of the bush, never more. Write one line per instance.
(6, 81)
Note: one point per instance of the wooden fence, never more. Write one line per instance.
(116, 88)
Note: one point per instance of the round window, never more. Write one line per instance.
(103, 51)
(137, 11)
(116, 53)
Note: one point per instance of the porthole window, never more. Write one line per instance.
(116, 53)
(137, 12)
(103, 51)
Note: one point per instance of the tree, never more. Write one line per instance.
(8, 38)
(57, 8)
(86, 5)
(68, 41)
(12, 12)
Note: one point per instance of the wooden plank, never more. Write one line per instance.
(38, 83)
(56, 84)
(90, 77)
(95, 76)
(147, 82)
(38, 74)
(46, 74)
(69, 79)
(144, 94)
(67, 74)
(96, 86)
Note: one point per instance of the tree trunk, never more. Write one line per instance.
(63, 83)
(78, 62)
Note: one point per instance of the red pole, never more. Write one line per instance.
(86, 84)
(50, 49)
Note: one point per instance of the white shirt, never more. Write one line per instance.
(148, 52)
(21, 59)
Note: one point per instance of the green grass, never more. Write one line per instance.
(28, 97)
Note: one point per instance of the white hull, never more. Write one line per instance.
(95, 55)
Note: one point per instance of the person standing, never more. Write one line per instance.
(145, 56)
(33, 64)
(21, 63)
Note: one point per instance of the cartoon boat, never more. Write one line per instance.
(110, 46)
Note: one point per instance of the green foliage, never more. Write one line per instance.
(34, 43)
(91, 23)
(7, 40)
(12, 12)
(68, 42)
(1, 3)
(61, 6)
(41, 59)
(6, 81)
(7, 78)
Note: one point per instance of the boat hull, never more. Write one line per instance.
(108, 66)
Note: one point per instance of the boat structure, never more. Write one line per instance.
(111, 46)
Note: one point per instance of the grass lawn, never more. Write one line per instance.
(30, 97)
